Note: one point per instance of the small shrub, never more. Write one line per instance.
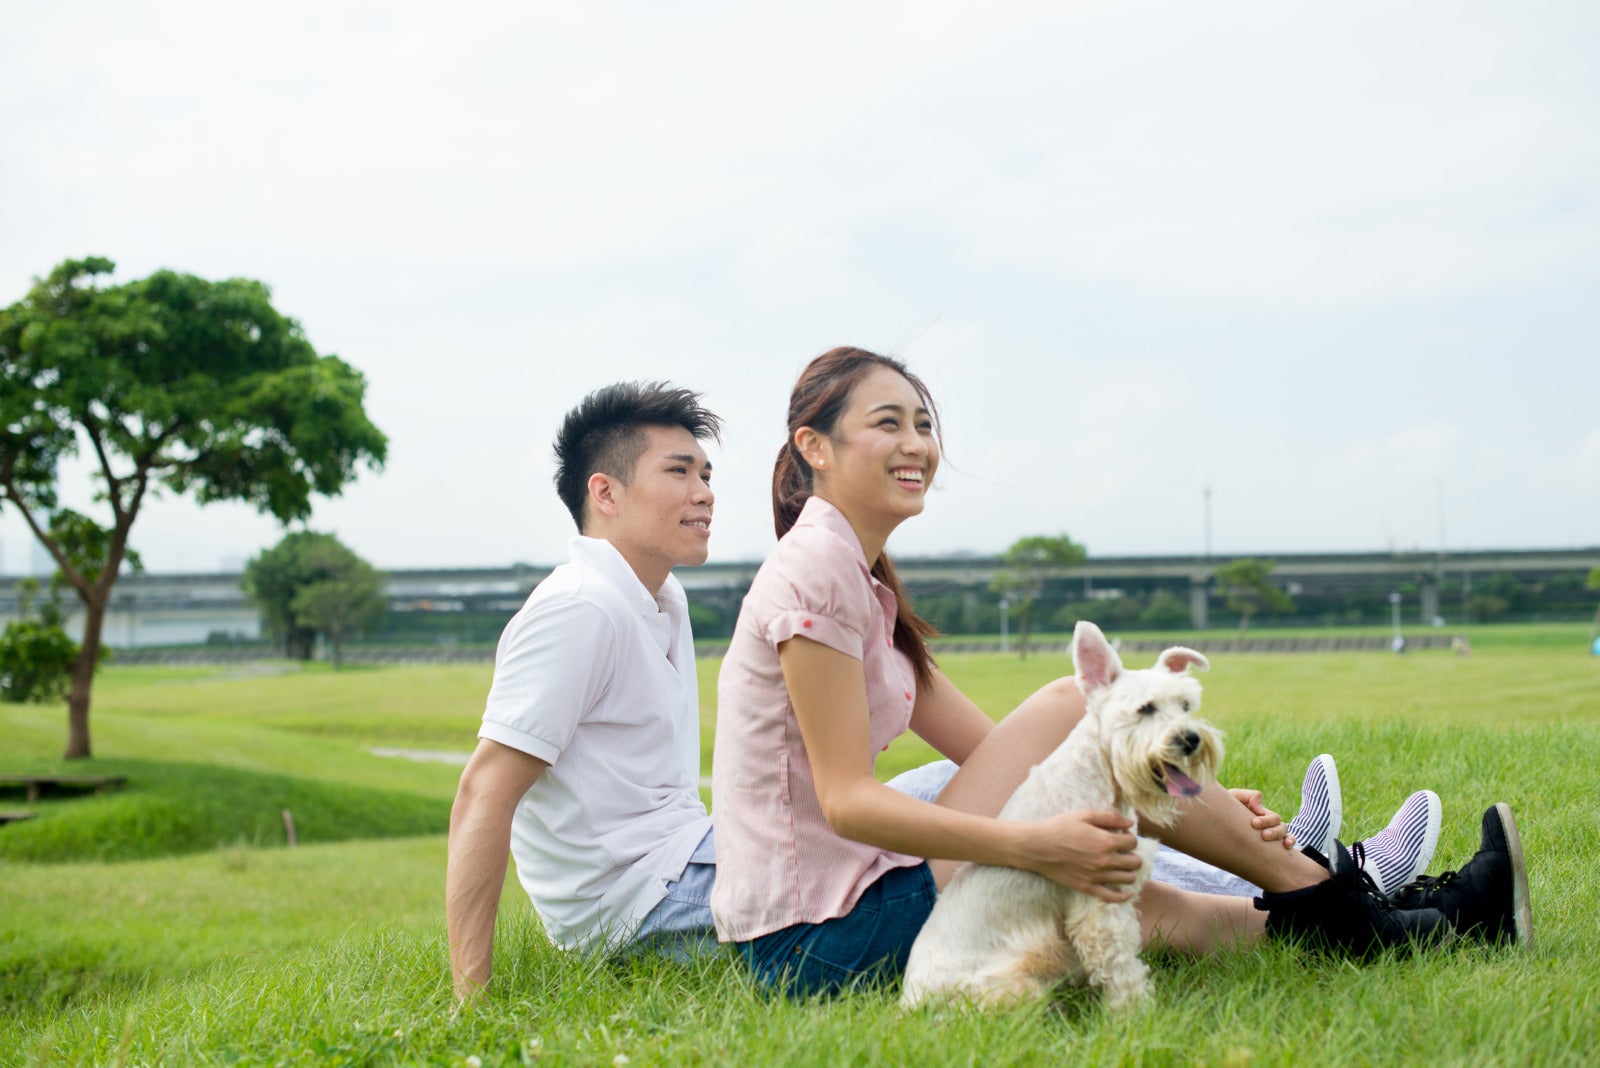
(35, 662)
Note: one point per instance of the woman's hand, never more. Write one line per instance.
(1263, 819)
(1089, 851)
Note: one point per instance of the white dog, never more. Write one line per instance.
(1003, 934)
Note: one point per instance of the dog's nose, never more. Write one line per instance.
(1190, 740)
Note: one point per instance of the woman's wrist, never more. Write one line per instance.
(1017, 844)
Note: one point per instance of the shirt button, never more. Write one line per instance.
(805, 622)
(908, 695)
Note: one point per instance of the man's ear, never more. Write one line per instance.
(603, 490)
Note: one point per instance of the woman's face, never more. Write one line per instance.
(877, 464)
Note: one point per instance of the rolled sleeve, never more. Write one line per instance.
(818, 592)
(550, 669)
(520, 740)
(805, 623)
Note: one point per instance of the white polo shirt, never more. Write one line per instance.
(596, 677)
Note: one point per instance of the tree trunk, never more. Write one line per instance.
(94, 617)
(1022, 634)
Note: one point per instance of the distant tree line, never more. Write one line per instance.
(1154, 606)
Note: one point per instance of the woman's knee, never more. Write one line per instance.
(1064, 691)
(1059, 702)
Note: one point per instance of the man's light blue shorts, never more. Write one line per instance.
(680, 925)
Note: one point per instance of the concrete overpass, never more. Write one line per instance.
(179, 609)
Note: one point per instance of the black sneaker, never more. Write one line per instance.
(1487, 900)
(1348, 915)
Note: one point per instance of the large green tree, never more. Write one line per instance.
(173, 381)
(1024, 568)
(310, 584)
(1247, 585)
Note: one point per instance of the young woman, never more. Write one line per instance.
(825, 874)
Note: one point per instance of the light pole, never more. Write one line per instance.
(1005, 607)
(1397, 643)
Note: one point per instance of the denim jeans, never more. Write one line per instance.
(870, 943)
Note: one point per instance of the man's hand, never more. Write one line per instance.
(1263, 819)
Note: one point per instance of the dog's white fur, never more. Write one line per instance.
(1002, 934)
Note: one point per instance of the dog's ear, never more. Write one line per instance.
(1178, 660)
(1097, 663)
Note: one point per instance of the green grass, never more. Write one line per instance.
(170, 808)
(73, 930)
(248, 953)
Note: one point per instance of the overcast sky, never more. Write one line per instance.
(1338, 262)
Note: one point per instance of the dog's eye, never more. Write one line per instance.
(1147, 709)
(1185, 703)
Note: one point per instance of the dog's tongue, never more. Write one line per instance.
(1179, 784)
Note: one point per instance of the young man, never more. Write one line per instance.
(588, 760)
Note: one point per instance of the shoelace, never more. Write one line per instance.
(1429, 882)
(1358, 853)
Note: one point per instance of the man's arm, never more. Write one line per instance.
(480, 838)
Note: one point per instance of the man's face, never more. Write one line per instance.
(663, 515)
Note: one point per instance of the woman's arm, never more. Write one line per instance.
(946, 719)
(1087, 851)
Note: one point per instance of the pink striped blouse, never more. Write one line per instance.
(778, 861)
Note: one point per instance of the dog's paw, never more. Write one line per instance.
(1122, 998)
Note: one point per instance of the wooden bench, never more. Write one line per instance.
(15, 817)
(37, 786)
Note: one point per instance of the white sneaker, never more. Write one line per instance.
(1403, 850)
(1316, 825)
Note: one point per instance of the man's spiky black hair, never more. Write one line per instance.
(606, 433)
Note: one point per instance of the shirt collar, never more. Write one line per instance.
(819, 513)
(604, 558)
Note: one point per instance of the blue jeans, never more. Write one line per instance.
(870, 943)
(680, 925)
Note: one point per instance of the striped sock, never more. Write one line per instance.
(1321, 807)
(1403, 850)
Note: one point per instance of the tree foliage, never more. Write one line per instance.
(86, 545)
(1165, 609)
(1247, 585)
(35, 662)
(1024, 568)
(310, 584)
(167, 381)
(36, 655)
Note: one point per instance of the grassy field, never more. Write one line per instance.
(165, 924)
